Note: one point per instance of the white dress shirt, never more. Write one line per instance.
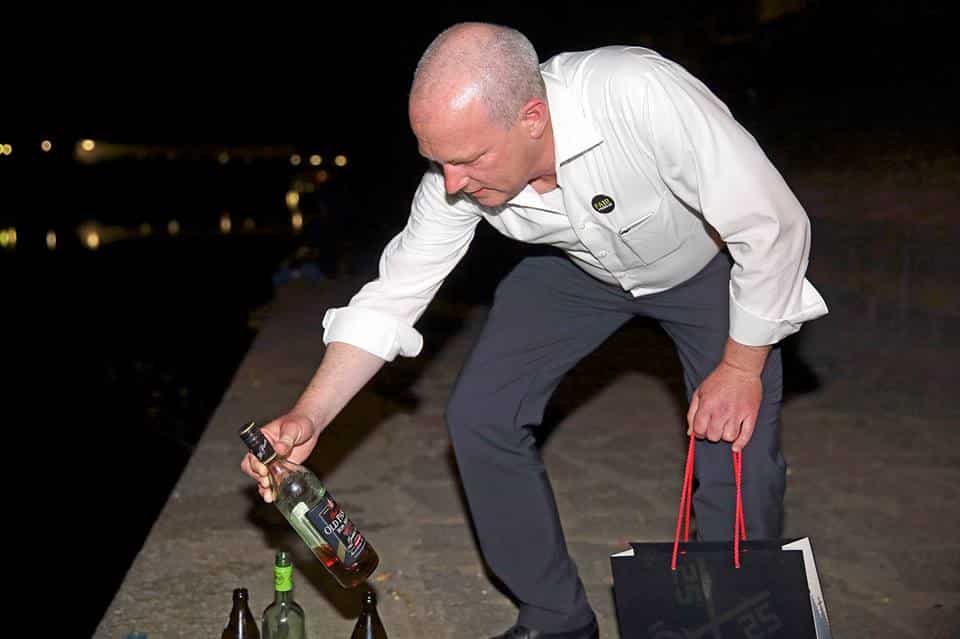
(674, 178)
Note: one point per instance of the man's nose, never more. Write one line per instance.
(454, 178)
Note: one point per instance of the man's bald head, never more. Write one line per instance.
(475, 60)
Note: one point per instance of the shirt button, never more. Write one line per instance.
(582, 226)
(601, 253)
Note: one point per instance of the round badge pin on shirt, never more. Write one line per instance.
(602, 203)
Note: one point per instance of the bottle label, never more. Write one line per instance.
(303, 526)
(337, 530)
(283, 578)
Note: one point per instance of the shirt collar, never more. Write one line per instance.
(573, 134)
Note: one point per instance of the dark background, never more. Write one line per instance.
(128, 349)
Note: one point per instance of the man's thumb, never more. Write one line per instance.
(291, 434)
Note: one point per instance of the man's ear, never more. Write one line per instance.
(534, 117)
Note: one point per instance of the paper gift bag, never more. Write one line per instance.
(718, 590)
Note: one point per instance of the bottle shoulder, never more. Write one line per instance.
(283, 604)
(296, 484)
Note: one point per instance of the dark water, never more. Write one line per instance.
(128, 348)
(146, 339)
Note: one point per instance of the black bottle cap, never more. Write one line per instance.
(240, 594)
(257, 443)
(369, 598)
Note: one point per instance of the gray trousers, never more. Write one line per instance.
(546, 316)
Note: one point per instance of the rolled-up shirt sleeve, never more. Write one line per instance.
(716, 167)
(380, 317)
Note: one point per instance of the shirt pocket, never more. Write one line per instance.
(653, 234)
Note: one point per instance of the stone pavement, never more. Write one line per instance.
(869, 432)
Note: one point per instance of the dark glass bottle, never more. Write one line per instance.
(314, 514)
(369, 625)
(241, 624)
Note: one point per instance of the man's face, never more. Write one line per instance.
(480, 159)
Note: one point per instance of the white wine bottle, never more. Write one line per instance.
(284, 618)
(314, 514)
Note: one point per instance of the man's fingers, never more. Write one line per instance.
(701, 422)
(252, 466)
(692, 411)
(716, 428)
(266, 494)
(246, 465)
(731, 430)
(746, 432)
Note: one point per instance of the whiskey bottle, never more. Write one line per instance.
(313, 512)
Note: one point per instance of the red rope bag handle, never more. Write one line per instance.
(686, 501)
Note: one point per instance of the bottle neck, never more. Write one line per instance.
(283, 584)
(240, 615)
(278, 469)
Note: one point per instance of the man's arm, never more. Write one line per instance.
(343, 371)
(377, 325)
(715, 166)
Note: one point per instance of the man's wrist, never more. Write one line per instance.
(744, 358)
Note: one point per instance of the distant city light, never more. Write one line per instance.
(225, 223)
(223, 158)
(146, 229)
(316, 160)
(297, 221)
(322, 176)
(293, 199)
(6, 149)
(46, 145)
(249, 224)
(88, 145)
(173, 227)
(295, 159)
(51, 240)
(8, 238)
(92, 240)
(340, 160)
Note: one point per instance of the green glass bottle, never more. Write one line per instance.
(284, 618)
(369, 625)
(313, 512)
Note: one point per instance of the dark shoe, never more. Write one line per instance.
(590, 631)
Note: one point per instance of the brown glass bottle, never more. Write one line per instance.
(369, 625)
(241, 624)
(314, 514)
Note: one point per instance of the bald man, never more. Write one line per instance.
(663, 207)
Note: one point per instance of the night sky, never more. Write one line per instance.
(340, 74)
